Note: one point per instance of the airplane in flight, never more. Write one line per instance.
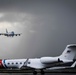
(64, 60)
(9, 34)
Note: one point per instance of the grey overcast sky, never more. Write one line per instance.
(47, 26)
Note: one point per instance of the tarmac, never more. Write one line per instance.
(68, 70)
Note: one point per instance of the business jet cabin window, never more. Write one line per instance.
(16, 63)
(12, 63)
(20, 62)
(8, 63)
(68, 51)
(28, 62)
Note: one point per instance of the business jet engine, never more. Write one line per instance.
(48, 60)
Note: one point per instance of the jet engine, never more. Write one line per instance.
(48, 60)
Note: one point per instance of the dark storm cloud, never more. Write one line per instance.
(36, 6)
(47, 25)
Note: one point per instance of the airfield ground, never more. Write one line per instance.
(69, 70)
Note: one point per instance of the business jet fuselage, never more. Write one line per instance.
(64, 60)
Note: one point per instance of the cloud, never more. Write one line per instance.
(16, 20)
(1, 15)
(32, 31)
(4, 25)
(46, 26)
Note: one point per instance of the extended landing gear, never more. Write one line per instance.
(34, 72)
(41, 71)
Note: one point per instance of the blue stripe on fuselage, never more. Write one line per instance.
(4, 63)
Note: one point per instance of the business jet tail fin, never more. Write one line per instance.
(69, 52)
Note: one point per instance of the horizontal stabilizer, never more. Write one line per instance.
(74, 64)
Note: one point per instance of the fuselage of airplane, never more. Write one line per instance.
(10, 34)
(34, 63)
(12, 63)
(64, 60)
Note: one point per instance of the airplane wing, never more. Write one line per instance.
(17, 34)
(6, 34)
(24, 65)
(70, 65)
(3, 34)
(55, 68)
(59, 68)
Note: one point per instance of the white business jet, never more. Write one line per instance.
(64, 60)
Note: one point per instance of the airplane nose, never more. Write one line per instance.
(1, 64)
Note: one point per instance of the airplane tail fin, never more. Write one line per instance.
(6, 31)
(69, 52)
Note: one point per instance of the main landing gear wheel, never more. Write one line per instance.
(42, 72)
(34, 72)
